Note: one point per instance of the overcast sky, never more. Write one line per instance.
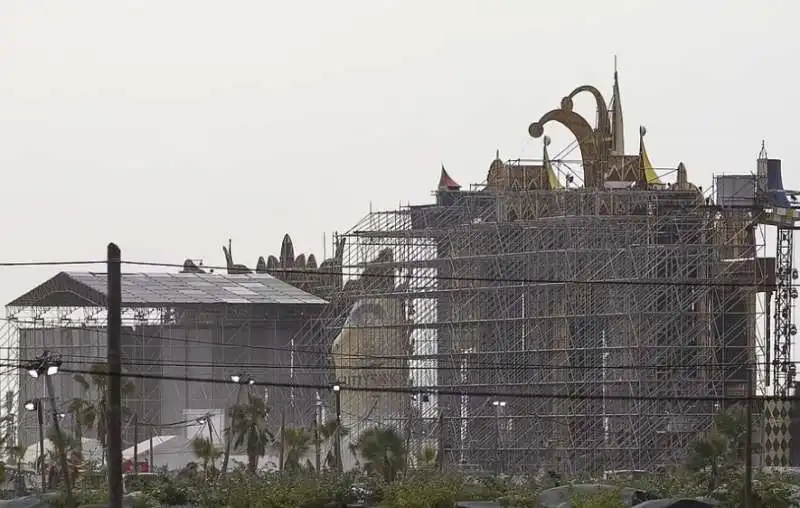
(169, 126)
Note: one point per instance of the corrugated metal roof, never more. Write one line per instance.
(200, 288)
(143, 289)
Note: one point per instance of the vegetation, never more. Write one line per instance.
(327, 436)
(296, 444)
(387, 477)
(205, 450)
(383, 452)
(91, 411)
(249, 429)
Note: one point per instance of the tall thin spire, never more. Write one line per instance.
(617, 125)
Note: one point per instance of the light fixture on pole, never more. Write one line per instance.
(36, 405)
(498, 406)
(317, 442)
(47, 366)
(44, 365)
(241, 380)
(337, 390)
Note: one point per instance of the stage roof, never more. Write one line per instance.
(88, 289)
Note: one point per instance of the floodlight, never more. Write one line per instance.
(336, 388)
(52, 370)
(236, 378)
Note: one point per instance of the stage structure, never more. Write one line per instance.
(780, 209)
(193, 324)
(570, 294)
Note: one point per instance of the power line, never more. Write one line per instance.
(91, 360)
(359, 273)
(393, 275)
(13, 264)
(434, 390)
(446, 357)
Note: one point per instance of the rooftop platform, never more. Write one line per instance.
(90, 289)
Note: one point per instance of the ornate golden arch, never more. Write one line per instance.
(593, 143)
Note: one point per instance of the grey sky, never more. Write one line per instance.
(168, 126)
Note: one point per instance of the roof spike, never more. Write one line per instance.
(682, 178)
(552, 179)
(446, 183)
(617, 123)
(647, 171)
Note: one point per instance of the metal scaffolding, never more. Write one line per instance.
(219, 327)
(595, 313)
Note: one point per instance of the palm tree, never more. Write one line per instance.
(66, 444)
(426, 458)
(9, 418)
(296, 445)
(205, 450)
(249, 429)
(84, 415)
(95, 387)
(327, 434)
(724, 445)
(17, 454)
(383, 451)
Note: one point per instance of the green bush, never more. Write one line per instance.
(420, 489)
(606, 499)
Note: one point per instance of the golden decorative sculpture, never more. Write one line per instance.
(602, 146)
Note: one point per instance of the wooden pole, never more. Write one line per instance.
(283, 442)
(114, 319)
(135, 445)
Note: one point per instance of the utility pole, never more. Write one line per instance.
(40, 417)
(440, 453)
(114, 311)
(409, 422)
(337, 390)
(210, 429)
(283, 442)
(317, 443)
(150, 467)
(62, 452)
(498, 407)
(135, 444)
(47, 365)
(748, 449)
(240, 381)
